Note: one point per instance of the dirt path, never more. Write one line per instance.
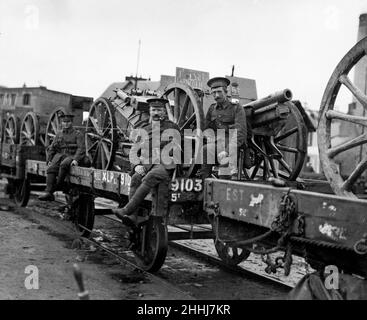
(31, 239)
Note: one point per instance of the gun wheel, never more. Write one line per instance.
(53, 126)
(100, 134)
(29, 130)
(187, 112)
(281, 156)
(11, 130)
(330, 153)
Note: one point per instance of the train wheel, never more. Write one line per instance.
(100, 134)
(11, 130)
(151, 252)
(22, 191)
(281, 156)
(329, 153)
(29, 130)
(83, 208)
(53, 126)
(229, 254)
(187, 113)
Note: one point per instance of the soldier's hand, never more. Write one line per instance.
(222, 155)
(74, 163)
(140, 170)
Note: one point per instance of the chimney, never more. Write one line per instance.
(360, 72)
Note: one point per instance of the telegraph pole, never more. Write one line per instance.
(136, 78)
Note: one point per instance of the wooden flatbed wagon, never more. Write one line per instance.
(269, 209)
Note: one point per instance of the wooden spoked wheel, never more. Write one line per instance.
(281, 156)
(328, 152)
(101, 134)
(152, 244)
(53, 126)
(187, 112)
(29, 130)
(11, 130)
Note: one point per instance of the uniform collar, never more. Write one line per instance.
(225, 104)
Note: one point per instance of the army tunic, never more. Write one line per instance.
(68, 145)
(148, 158)
(226, 116)
(156, 172)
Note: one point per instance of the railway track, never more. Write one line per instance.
(201, 249)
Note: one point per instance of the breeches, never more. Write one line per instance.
(59, 161)
(155, 176)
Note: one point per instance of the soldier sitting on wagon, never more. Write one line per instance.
(147, 176)
(67, 149)
(223, 114)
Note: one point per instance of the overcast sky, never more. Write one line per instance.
(81, 46)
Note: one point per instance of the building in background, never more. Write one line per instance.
(42, 101)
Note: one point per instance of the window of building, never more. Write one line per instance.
(1, 98)
(26, 99)
(7, 99)
(13, 97)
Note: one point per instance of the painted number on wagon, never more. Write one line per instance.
(187, 185)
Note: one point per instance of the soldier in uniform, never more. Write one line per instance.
(147, 175)
(223, 114)
(67, 149)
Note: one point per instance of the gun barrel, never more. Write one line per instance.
(277, 97)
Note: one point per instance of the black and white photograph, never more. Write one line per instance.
(182, 156)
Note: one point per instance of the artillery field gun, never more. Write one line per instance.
(269, 209)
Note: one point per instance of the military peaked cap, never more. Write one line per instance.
(157, 102)
(218, 82)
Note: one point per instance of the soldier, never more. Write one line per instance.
(223, 114)
(67, 149)
(149, 175)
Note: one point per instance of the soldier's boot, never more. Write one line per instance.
(50, 188)
(128, 214)
(206, 171)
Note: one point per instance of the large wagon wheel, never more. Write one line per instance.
(151, 244)
(328, 153)
(29, 130)
(53, 126)
(281, 156)
(11, 130)
(100, 135)
(187, 113)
